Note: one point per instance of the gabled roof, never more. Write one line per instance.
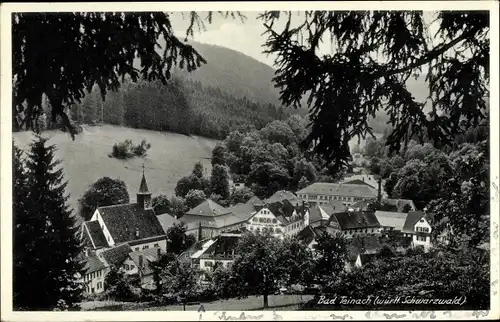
(412, 218)
(358, 181)
(281, 196)
(93, 264)
(308, 234)
(391, 219)
(93, 234)
(123, 221)
(148, 256)
(116, 255)
(333, 206)
(339, 189)
(356, 219)
(167, 221)
(204, 247)
(245, 211)
(282, 210)
(362, 245)
(254, 201)
(208, 208)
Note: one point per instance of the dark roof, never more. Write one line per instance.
(167, 221)
(395, 205)
(282, 210)
(144, 186)
(123, 221)
(94, 233)
(355, 219)
(366, 258)
(208, 208)
(148, 256)
(92, 264)
(362, 245)
(223, 248)
(309, 233)
(412, 218)
(116, 255)
(245, 211)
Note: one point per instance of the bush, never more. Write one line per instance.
(126, 149)
(141, 149)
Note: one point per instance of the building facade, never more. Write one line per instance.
(323, 193)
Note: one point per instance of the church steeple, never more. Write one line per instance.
(144, 196)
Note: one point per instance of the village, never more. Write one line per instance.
(131, 236)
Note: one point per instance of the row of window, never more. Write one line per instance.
(265, 220)
(146, 247)
(422, 238)
(330, 198)
(90, 289)
(266, 229)
(423, 229)
(92, 275)
(361, 230)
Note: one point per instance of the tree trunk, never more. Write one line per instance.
(266, 301)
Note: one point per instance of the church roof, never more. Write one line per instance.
(124, 221)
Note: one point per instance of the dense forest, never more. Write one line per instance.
(182, 106)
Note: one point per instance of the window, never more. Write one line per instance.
(275, 221)
(126, 266)
(132, 266)
(261, 220)
(278, 230)
(209, 264)
(421, 238)
(421, 220)
(145, 247)
(99, 285)
(137, 249)
(156, 245)
(255, 219)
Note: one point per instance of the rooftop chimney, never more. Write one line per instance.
(141, 262)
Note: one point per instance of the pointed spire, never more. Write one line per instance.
(144, 186)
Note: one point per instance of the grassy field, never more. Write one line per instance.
(85, 160)
(276, 303)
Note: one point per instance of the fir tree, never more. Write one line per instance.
(46, 242)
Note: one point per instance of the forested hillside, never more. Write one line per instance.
(229, 92)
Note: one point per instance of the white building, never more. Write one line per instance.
(418, 225)
(348, 194)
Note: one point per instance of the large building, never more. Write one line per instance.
(134, 224)
(282, 214)
(348, 194)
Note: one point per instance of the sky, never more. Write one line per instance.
(246, 37)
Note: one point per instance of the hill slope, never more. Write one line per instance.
(85, 160)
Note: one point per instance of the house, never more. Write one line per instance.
(355, 223)
(394, 205)
(138, 263)
(309, 234)
(134, 224)
(319, 215)
(280, 218)
(282, 195)
(218, 251)
(391, 221)
(418, 226)
(362, 250)
(209, 219)
(93, 273)
(348, 194)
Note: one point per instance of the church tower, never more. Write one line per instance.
(144, 196)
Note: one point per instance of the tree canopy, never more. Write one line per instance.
(374, 53)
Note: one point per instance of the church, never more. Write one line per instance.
(134, 224)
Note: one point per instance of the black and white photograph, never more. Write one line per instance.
(260, 162)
